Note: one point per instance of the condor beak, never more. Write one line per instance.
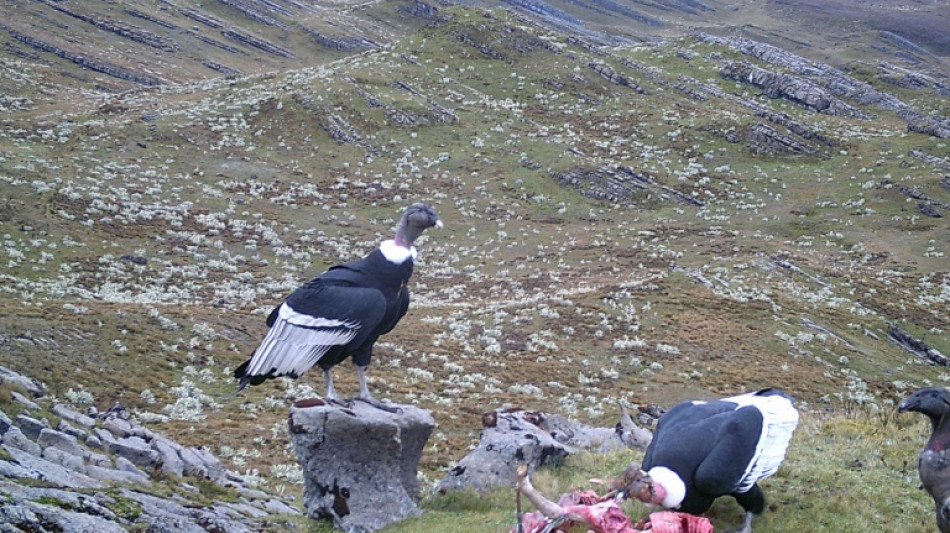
(907, 404)
(438, 223)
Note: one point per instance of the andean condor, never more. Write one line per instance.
(703, 450)
(341, 312)
(933, 461)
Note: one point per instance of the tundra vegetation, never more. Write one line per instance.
(626, 223)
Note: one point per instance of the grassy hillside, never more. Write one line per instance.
(615, 230)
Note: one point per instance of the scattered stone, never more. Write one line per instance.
(69, 429)
(5, 423)
(31, 427)
(30, 404)
(55, 474)
(66, 413)
(50, 438)
(916, 346)
(169, 459)
(65, 459)
(118, 427)
(32, 386)
(68, 460)
(136, 450)
(15, 438)
(105, 437)
(111, 475)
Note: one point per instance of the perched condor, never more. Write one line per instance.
(933, 461)
(703, 450)
(341, 312)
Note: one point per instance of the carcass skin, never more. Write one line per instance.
(602, 515)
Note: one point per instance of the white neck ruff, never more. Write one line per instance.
(671, 483)
(395, 253)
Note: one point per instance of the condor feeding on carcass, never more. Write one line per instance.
(342, 312)
(703, 450)
(933, 460)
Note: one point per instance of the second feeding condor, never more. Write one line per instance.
(703, 450)
(342, 312)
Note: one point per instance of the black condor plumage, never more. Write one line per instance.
(342, 312)
(703, 450)
(933, 463)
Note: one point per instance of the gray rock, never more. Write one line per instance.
(98, 459)
(200, 463)
(30, 404)
(118, 427)
(93, 441)
(15, 471)
(169, 459)
(173, 524)
(30, 426)
(32, 386)
(39, 468)
(276, 506)
(66, 459)
(16, 439)
(246, 510)
(50, 438)
(5, 423)
(253, 494)
(17, 514)
(192, 465)
(28, 515)
(124, 465)
(70, 429)
(134, 449)
(214, 466)
(66, 413)
(112, 475)
(104, 436)
(510, 439)
(360, 464)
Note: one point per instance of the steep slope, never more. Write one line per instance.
(115, 46)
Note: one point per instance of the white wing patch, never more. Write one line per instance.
(779, 420)
(297, 341)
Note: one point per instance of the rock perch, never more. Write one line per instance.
(359, 463)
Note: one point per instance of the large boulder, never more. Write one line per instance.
(512, 438)
(359, 463)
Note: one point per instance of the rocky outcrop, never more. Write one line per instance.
(127, 31)
(916, 346)
(257, 42)
(619, 184)
(942, 162)
(85, 62)
(360, 463)
(821, 74)
(764, 139)
(614, 77)
(793, 88)
(928, 125)
(514, 438)
(67, 477)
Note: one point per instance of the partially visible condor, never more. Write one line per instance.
(932, 463)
